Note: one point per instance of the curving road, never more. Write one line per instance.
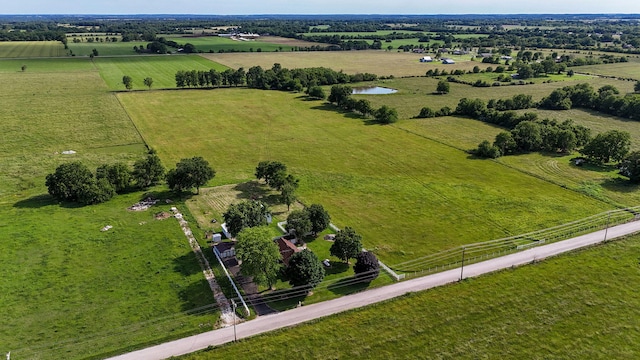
(299, 315)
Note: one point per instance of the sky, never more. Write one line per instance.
(248, 7)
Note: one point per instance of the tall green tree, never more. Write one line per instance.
(386, 115)
(612, 145)
(148, 171)
(148, 82)
(128, 82)
(367, 266)
(288, 194)
(298, 220)
(245, 214)
(346, 245)
(305, 269)
(630, 167)
(443, 87)
(319, 218)
(190, 173)
(65, 183)
(258, 255)
(118, 174)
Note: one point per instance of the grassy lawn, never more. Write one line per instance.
(76, 292)
(46, 65)
(30, 49)
(221, 44)
(162, 69)
(623, 70)
(576, 306)
(376, 179)
(105, 48)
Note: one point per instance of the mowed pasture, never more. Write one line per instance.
(223, 44)
(105, 48)
(69, 290)
(31, 49)
(575, 306)
(381, 63)
(57, 65)
(408, 195)
(161, 68)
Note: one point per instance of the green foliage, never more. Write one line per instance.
(298, 220)
(339, 94)
(505, 143)
(190, 173)
(148, 171)
(148, 82)
(246, 214)
(258, 255)
(347, 244)
(66, 183)
(317, 92)
(612, 145)
(274, 173)
(426, 112)
(305, 269)
(118, 174)
(127, 81)
(96, 192)
(386, 115)
(288, 193)
(630, 167)
(319, 217)
(443, 87)
(367, 266)
(486, 150)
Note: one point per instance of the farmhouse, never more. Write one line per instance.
(448, 61)
(287, 249)
(426, 59)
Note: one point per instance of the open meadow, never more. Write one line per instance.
(31, 49)
(575, 306)
(161, 68)
(69, 290)
(217, 44)
(105, 48)
(377, 179)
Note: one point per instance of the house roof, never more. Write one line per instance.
(287, 249)
(224, 246)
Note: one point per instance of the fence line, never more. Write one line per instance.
(489, 249)
(244, 304)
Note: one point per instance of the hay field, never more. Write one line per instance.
(381, 63)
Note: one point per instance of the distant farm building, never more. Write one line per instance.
(448, 61)
(426, 59)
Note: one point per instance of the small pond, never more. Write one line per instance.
(373, 90)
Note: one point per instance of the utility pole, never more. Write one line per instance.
(235, 337)
(462, 267)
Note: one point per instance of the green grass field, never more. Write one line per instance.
(624, 70)
(220, 44)
(105, 48)
(46, 65)
(69, 290)
(377, 179)
(162, 69)
(576, 306)
(31, 49)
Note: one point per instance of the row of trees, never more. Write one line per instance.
(75, 182)
(341, 96)
(210, 78)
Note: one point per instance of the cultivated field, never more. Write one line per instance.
(105, 48)
(161, 68)
(575, 306)
(31, 49)
(375, 178)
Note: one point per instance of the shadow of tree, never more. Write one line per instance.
(620, 185)
(187, 264)
(43, 200)
(337, 267)
(196, 295)
(349, 285)
(251, 190)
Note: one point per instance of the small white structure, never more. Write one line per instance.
(426, 59)
(225, 231)
(217, 237)
(448, 61)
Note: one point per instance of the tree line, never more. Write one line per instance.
(75, 182)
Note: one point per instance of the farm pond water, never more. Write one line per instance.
(373, 90)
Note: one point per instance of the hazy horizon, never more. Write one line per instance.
(326, 7)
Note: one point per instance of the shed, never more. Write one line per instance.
(426, 59)
(226, 249)
(448, 61)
